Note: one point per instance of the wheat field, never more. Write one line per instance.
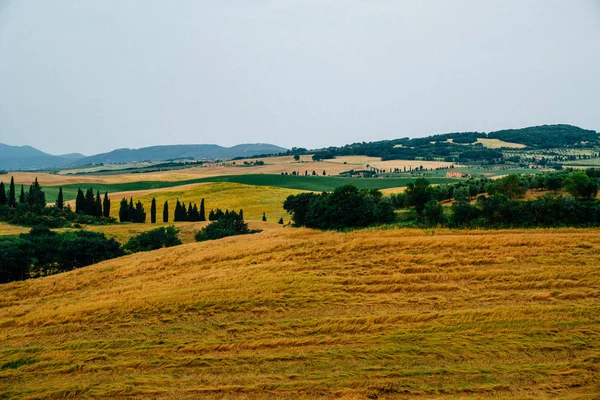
(297, 313)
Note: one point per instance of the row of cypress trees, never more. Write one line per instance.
(34, 197)
(191, 213)
(88, 204)
(130, 213)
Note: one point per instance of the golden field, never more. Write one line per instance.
(254, 200)
(297, 313)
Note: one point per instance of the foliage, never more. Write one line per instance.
(229, 224)
(345, 207)
(154, 239)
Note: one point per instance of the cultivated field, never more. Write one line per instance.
(497, 144)
(295, 313)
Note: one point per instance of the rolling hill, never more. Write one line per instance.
(295, 313)
(188, 151)
(28, 158)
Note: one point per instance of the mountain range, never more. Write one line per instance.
(30, 158)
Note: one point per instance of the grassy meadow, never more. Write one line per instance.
(297, 313)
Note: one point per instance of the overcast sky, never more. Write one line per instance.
(91, 76)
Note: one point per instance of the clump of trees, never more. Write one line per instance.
(229, 223)
(345, 207)
(192, 213)
(130, 213)
(43, 252)
(153, 239)
(30, 209)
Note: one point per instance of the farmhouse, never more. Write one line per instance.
(457, 174)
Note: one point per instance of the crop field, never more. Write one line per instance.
(497, 144)
(296, 313)
(311, 183)
(254, 200)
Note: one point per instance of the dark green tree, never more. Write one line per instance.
(3, 199)
(154, 239)
(202, 211)
(98, 205)
(80, 202)
(264, 217)
(12, 199)
(132, 214)
(22, 196)
(60, 202)
(241, 214)
(280, 222)
(418, 194)
(140, 214)
(90, 202)
(106, 206)
(123, 211)
(153, 211)
(177, 215)
(580, 186)
(166, 212)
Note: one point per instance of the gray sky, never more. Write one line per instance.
(91, 76)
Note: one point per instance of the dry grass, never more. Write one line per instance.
(8, 229)
(295, 313)
(497, 144)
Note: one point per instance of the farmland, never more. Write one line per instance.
(295, 313)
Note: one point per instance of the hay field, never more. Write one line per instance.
(254, 200)
(300, 314)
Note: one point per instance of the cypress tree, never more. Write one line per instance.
(123, 210)
(196, 213)
(166, 212)
(22, 196)
(140, 214)
(3, 199)
(280, 221)
(153, 211)
(132, 216)
(80, 202)
(89, 205)
(177, 215)
(190, 214)
(202, 212)
(98, 205)
(264, 217)
(184, 213)
(36, 196)
(106, 205)
(12, 199)
(211, 216)
(241, 214)
(60, 203)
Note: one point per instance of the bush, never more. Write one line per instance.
(154, 239)
(230, 224)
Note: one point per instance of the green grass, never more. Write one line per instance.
(313, 183)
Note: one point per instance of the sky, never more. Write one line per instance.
(92, 76)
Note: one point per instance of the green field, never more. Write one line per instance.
(313, 183)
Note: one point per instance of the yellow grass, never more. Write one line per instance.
(497, 143)
(8, 229)
(294, 313)
(254, 200)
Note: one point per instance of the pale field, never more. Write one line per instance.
(299, 314)
(8, 229)
(254, 200)
(497, 143)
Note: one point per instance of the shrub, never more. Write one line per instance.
(230, 224)
(154, 239)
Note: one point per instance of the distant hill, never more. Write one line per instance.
(183, 151)
(27, 158)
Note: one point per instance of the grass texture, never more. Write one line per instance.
(296, 313)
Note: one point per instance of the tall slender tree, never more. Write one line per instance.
(90, 202)
(3, 199)
(241, 214)
(264, 217)
(166, 212)
(36, 197)
(153, 211)
(106, 206)
(123, 211)
(22, 195)
(202, 212)
(140, 214)
(12, 198)
(184, 214)
(132, 216)
(60, 202)
(98, 205)
(80, 202)
(177, 214)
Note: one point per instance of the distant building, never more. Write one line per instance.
(457, 174)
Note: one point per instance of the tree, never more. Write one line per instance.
(3, 199)
(418, 194)
(12, 202)
(296, 157)
(132, 217)
(230, 224)
(98, 205)
(60, 203)
(140, 214)
(123, 211)
(241, 214)
(512, 186)
(280, 222)
(22, 196)
(202, 211)
(264, 217)
(80, 202)
(106, 206)
(166, 212)
(153, 239)
(153, 211)
(580, 186)
(90, 202)
(433, 213)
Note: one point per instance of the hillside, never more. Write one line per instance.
(294, 313)
(28, 158)
(187, 151)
